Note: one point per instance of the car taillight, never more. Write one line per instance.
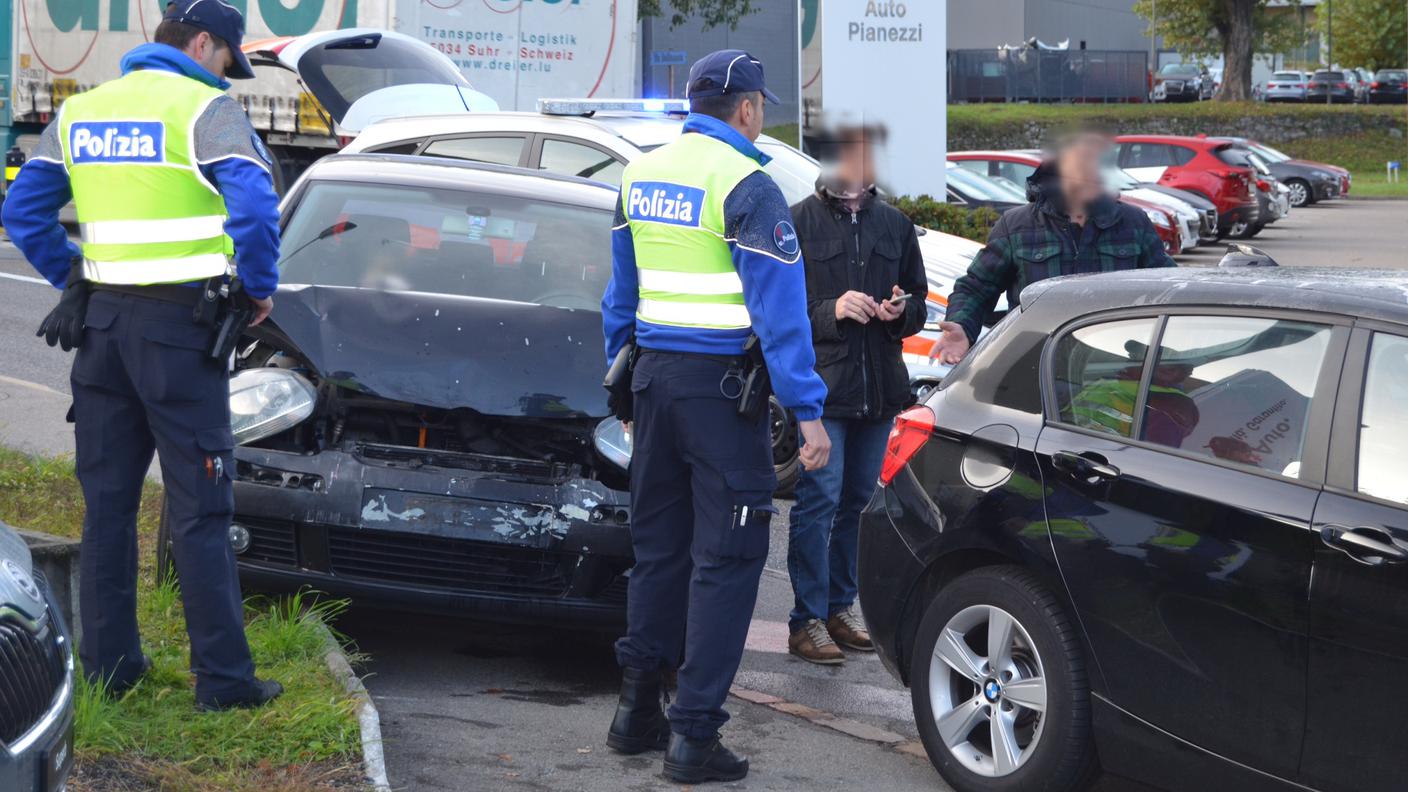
(1300, 85)
(912, 430)
(1374, 84)
(1341, 85)
(1262, 185)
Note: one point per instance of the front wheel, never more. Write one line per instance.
(999, 687)
(1300, 193)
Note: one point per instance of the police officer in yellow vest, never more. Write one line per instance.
(171, 186)
(704, 256)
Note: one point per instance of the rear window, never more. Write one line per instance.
(448, 241)
(1385, 74)
(1180, 70)
(1289, 76)
(1329, 75)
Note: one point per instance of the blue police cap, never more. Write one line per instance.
(726, 72)
(219, 19)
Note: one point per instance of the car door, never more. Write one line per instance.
(577, 158)
(1355, 739)
(1183, 457)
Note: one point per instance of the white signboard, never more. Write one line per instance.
(884, 62)
(518, 51)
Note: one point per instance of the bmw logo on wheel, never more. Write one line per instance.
(991, 690)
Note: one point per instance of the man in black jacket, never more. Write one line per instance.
(865, 292)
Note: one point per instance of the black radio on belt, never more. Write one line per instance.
(619, 398)
(236, 312)
(757, 385)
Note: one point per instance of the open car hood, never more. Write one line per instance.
(361, 75)
(493, 356)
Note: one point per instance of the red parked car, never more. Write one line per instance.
(1016, 166)
(1190, 163)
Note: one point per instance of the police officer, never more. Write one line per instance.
(704, 255)
(169, 182)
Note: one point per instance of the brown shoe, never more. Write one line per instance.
(813, 644)
(847, 629)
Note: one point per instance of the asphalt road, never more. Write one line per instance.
(468, 706)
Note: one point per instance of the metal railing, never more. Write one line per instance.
(1036, 75)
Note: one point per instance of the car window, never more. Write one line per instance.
(1235, 388)
(977, 166)
(1287, 76)
(1383, 429)
(794, 172)
(1096, 371)
(1328, 75)
(1148, 155)
(575, 159)
(407, 147)
(1396, 76)
(494, 150)
(1015, 172)
(448, 241)
(1182, 155)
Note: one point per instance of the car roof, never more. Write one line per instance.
(1372, 294)
(436, 172)
(1183, 140)
(644, 130)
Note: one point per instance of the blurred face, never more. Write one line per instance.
(1078, 163)
(855, 164)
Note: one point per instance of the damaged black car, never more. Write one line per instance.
(421, 422)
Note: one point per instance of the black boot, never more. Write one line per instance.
(690, 761)
(640, 724)
(259, 693)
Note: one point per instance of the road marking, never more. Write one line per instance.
(25, 278)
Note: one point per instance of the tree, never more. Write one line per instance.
(1234, 29)
(1368, 33)
(711, 12)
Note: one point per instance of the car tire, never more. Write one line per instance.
(165, 560)
(1301, 194)
(1059, 755)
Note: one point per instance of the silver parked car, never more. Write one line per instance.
(36, 677)
(1287, 86)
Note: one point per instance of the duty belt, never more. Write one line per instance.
(178, 293)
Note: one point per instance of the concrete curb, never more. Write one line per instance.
(368, 719)
(826, 720)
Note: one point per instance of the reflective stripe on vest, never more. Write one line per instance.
(146, 213)
(673, 199)
(1108, 405)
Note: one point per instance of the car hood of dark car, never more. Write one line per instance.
(496, 357)
(1305, 166)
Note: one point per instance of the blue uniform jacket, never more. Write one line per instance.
(760, 236)
(231, 158)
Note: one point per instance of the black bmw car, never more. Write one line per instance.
(1156, 524)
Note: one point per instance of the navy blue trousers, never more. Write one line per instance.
(142, 382)
(701, 503)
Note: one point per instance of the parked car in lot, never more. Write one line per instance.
(970, 189)
(1183, 82)
(1307, 182)
(36, 677)
(1339, 86)
(1175, 221)
(1191, 163)
(1156, 522)
(1389, 86)
(1272, 197)
(1287, 86)
(421, 421)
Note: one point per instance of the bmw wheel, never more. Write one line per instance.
(999, 687)
(1300, 193)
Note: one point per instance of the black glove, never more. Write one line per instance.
(64, 325)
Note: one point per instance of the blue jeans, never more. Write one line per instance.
(825, 520)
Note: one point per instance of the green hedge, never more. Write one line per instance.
(926, 211)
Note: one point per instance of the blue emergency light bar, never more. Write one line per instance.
(586, 107)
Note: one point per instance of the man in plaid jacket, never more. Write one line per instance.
(1072, 226)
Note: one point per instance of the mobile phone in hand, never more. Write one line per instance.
(899, 298)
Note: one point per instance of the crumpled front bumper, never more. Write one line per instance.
(476, 535)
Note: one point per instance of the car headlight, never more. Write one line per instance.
(1157, 218)
(266, 401)
(1322, 175)
(613, 441)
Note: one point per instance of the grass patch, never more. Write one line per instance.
(307, 740)
(1374, 184)
(787, 133)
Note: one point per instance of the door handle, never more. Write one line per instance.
(1369, 546)
(1089, 467)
